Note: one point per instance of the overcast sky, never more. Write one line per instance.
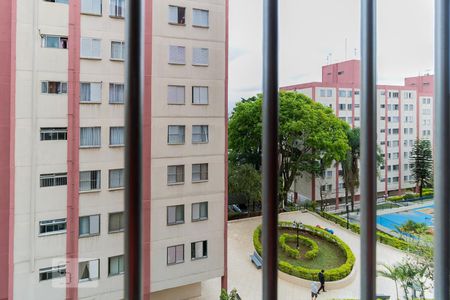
(312, 29)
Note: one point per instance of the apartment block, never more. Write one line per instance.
(404, 112)
(62, 141)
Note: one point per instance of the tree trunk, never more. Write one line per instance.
(352, 198)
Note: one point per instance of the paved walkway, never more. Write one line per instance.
(247, 279)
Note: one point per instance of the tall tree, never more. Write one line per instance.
(310, 136)
(422, 161)
(244, 183)
(350, 167)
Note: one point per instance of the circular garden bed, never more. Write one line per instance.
(318, 249)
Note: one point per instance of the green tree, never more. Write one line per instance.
(392, 273)
(413, 227)
(310, 136)
(421, 158)
(244, 182)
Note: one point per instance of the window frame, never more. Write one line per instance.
(116, 16)
(176, 87)
(97, 14)
(122, 221)
(177, 206)
(91, 146)
(203, 245)
(178, 18)
(200, 93)
(179, 63)
(206, 141)
(62, 40)
(90, 278)
(200, 64)
(90, 234)
(52, 270)
(201, 165)
(98, 180)
(114, 86)
(200, 218)
(91, 101)
(183, 141)
(123, 265)
(193, 18)
(121, 187)
(91, 57)
(122, 44)
(176, 174)
(176, 262)
(52, 222)
(54, 177)
(110, 135)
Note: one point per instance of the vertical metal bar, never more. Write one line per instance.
(368, 149)
(270, 149)
(442, 150)
(134, 91)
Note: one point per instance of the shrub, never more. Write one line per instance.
(294, 253)
(311, 274)
(395, 198)
(408, 196)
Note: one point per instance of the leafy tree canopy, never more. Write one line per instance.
(311, 137)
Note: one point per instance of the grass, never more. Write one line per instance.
(330, 255)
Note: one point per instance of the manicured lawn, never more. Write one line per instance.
(330, 255)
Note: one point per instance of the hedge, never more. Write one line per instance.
(382, 237)
(294, 253)
(408, 196)
(311, 274)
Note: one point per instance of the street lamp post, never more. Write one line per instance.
(297, 226)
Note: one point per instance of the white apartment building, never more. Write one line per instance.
(62, 148)
(405, 113)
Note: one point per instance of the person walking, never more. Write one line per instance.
(322, 281)
(314, 290)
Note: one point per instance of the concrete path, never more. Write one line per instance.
(247, 279)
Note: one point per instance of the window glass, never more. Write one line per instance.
(116, 222)
(175, 174)
(175, 94)
(116, 93)
(117, 8)
(175, 214)
(177, 15)
(199, 133)
(200, 17)
(93, 7)
(116, 178)
(118, 50)
(199, 172)
(90, 137)
(200, 56)
(116, 136)
(90, 47)
(115, 265)
(175, 134)
(177, 55)
(88, 270)
(200, 95)
(90, 180)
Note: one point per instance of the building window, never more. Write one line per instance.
(116, 222)
(199, 250)
(52, 272)
(53, 87)
(175, 174)
(90, 137)
(200, 17)
(349, 107)
(329, 173)
(55, 179)
(177, 55)
(175, 134)
(88, 270)
(199, 211)
(90, 180)
(329, 93)
(342, 93)
(117, 50)
(200, 56)
(175, 214)
(90, 48)
(90, 92)
(116, 93)
(175, 254)
(175, 94)
(200, 95)
(54, 41)
(58, 1)
(115, 265)
(177, 15)
(199, 172)
(89, 225)
(342, 106)
(117, 8)
(116, 179)
(52, 226)
(116, 136)
(54, 134)
(91, 7)
(199, 134)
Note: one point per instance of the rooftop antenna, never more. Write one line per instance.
(356, 55)
(331, 57)
(345, 48)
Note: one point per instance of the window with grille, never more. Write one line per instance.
(92, 7)
(53, 87)
(54, 179)
(53, 41)
(200, 17)
(199, 134)
(177, 15)
(52, 272)
(175, 174)
(199, 172)
(52, 226)
(90, 137)
(199, 211)
(115, 265)
(89, 225)
(200, 56)
(90, 92)
(175, 134)
(199, 250)
(90, 48)
(175, 94)
(88, 270)
(200, 95)
(116, 93)
(116, 178)
(175, 254)
(90, 180)
(116, 222)
(116, 136)
(117, 8)
(175, 214)
(177, 55)
(117, 50)
(54, 134)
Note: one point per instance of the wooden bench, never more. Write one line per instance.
(256, 259)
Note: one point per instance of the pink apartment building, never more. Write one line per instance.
(405, 113)
(62, 148)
